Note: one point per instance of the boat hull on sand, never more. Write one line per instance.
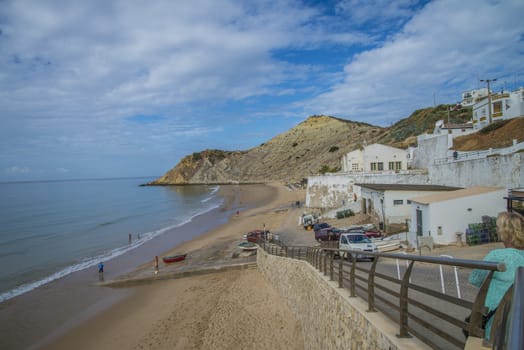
(173, 258)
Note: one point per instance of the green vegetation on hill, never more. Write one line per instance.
(403, 133)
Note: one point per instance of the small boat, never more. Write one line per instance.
(247, 246)
(173, 258)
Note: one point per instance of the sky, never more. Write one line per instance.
(99, 89)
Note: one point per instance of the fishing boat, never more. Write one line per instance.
(173, 258)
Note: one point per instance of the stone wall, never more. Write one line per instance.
(330, 319)
(337, 190)
(496, 170)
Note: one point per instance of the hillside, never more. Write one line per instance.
(314, 146)
(403, 133)
(497, 135)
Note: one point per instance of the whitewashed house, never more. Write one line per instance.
(391, 203)
(504, 105)
(453, 129)
(375, 158)
(443, 215)
(469, 98)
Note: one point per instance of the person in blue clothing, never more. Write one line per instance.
(100, 267)
(510, 229)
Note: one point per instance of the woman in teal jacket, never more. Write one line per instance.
(510, 228)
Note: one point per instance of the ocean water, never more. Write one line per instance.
(51, 229)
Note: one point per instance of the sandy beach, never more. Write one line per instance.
(234, 309)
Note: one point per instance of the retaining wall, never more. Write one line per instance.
(330, 319)
(337, 190)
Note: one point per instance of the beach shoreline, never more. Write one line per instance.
(219, 230)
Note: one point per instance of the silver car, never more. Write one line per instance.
(357, 241)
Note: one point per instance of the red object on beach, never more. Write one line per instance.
(174, 258)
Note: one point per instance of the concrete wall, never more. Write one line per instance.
(430, 147)
(498, 170)
(333, 190)
(330, 319)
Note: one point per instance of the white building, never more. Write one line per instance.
(469, 98)
(453, 129)
(391, 203)
(443, 215)
(375, 157)
(504, 105)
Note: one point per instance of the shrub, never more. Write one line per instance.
(345, 213)
(197, 156)
(493, 126)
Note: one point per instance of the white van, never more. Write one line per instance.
(357, 241)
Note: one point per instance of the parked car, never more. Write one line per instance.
(255, 235)
(373, 234)
(321, 225)
(324, 232)
(357, 241)
(367, 229)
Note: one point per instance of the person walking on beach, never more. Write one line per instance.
(510, 229)
(100, 267)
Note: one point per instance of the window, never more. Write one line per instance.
(398, 201)
(395, 166)
(379, 166)
(408, 201)
(497, 107)
(354, 167)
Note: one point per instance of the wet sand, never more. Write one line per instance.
(219, 311)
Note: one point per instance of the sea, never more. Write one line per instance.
(51, 229)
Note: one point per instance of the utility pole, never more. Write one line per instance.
(488, 81)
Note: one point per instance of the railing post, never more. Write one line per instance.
(331, 254)
(325, 263)
(404, 287)
(371, 285)
(340, 269)
(475, 321)
(352, 287)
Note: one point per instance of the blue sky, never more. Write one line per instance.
(128, 88)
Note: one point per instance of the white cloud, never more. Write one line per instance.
(442, 48)
(365, 11)
(106, 55)
(15, 170)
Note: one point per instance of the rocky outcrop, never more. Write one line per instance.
(312, 147)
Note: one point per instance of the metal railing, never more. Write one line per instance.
(413, 300)
(508, 323)
(470, 155)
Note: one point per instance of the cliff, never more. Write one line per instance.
(314, 146)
